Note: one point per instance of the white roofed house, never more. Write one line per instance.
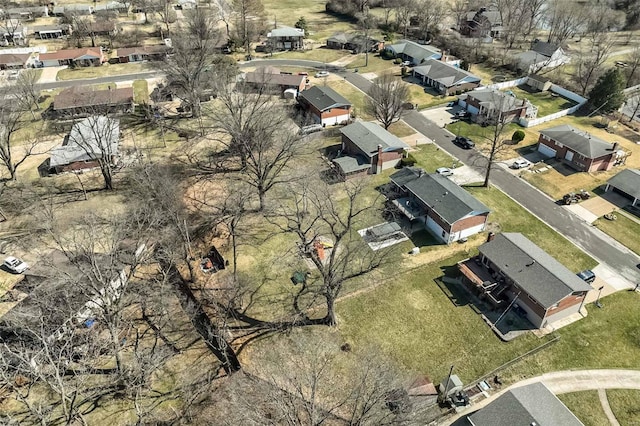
(286, 38)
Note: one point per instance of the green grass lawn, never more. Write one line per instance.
(141, 91)
(508, 216)
(354, 95)
(417, 95)
(586, 407)
(623, 229)
(546, 103)
(430, 157)
(104, 71)
(320, 54)
(625, 404)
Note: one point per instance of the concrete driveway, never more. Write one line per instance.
(465, 175)
(441, 115)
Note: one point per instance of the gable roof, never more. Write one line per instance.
(533, 404)
(443, 73)
(544, 48)
(532, 269)
(340, 38)
(628, 181)
(352, 163)
(493, 16)
(88, 140)
(579, 141)
(142, 50)
(450, 201)
(263, 76)
(323, 98)
(14, 58)
(406, 175)
(286, 32)
(492, 99)
(417, 51)
(72, 53)
(367, 136)
(83, 96)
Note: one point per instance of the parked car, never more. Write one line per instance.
(464, 142)
(303, 73)
(587, 275)
(405, 64)
(444, 171)
(305, 130)
(322, 74)
(462, 114)
(15, 265)
(520, 164)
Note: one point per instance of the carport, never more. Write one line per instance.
(627, 184)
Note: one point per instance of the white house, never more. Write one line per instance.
(542, 55)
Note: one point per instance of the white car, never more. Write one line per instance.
(520, 164)
(322, 74)
(405, 64)
(15, 265)
(444, 171)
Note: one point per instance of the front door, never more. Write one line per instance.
(568, 156)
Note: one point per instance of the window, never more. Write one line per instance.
(532, 299)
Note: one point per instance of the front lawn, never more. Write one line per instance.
(586, 407)
(141, 91)
(430, 157)
(401, 129)
(623, 229)
(354, 95)
(625, 405)
(321, 54)
(545, 101)
(105, 70)
(556, 184)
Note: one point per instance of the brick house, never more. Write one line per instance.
(413, 52)
(445, 78)
(482, 23)
(510, 267)
(354, 42)
(155, 52)
(270, 77)
(367, 148)
(12, 61)
(84, 57)
(578, 149)
(447, 211)
(83, 100)
(487, 104)
(325, 105)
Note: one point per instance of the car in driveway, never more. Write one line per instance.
(15, 265)
(320, 74)
(520, 164)
(464, 142)
(587, 275)
(444, 171)
(405, 64)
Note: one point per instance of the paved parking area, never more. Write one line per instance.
(465, 175)
(441, 115)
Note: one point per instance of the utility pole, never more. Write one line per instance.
(446, 386)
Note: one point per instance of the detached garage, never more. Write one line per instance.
(325, 105)
(627, 184)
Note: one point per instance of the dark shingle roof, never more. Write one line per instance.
(89, 139)
(493, 98)
(406, 175)
(263, 76)
(417, 51)
(443, 73)
(579, 141)
(350, 164)
(533, 404)
(83, 96)
(367, 136)
(532, 269)
(323, 98)
(444, 196)
(544, 48)
(627, 181)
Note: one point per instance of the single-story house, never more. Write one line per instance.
(542, 55)
(445, 78)
(12, 33)
(73, 9)
(626, 183)
(354, 42)
(285, 38)
(186, 4)
(482, 23)
(89, 141)
(103, 28)
(83, 100)
(12, 61)
(578, 149)
(447, 210)
(112, 6)
(272, 77)
(83, 57)
(367, 148)
(155, 52)
(512, 270)
(528, 405)
(486, 105)
(45, 32)
(413, 52)
(25, 13)
(325, 105)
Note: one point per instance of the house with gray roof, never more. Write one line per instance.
(368, 148)
(578, 149)
(444, 208)
(90, 141)
(482, 23)
(486, 105)
(413, 52)
(324, 105)
(542, 55)
(627, 184)
(512, 270)
(285, 38)
(445, 78)
(354, 42)
(528, 405)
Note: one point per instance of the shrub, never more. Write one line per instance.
(408, 161)
(397, 61)
(518, 136)
(386, 54)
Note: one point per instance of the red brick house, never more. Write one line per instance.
(325, 105)
(142, 53)
(84, 57)
(487, 104)
(270, 77)
(510, 267)
(445, 209)
(578, 149)
(367, 148)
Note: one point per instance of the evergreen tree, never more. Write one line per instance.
(607, 94)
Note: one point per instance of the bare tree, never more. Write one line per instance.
(248, 14)
(589, 66)
(224, 11)
(430, 13)
(11, 123)
(386, 100)
(164, 9)
(514, 16)
(26, 91)
(633, 61)
(565, 19)
(632, 105)
(534, 10)
(403, 11)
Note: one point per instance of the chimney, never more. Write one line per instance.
(379, 162)
(614, 148)
(491, 236)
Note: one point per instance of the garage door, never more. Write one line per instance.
(546, 151)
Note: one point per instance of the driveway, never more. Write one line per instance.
(465, 175)
(441, 115)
